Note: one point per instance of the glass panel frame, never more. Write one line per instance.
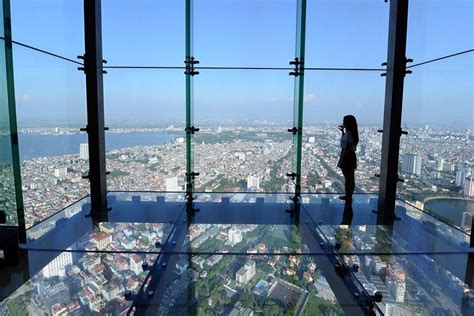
(237, 131)
(49, 140)
(363, 97)
(11, 190)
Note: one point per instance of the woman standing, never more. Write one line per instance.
(348, 160)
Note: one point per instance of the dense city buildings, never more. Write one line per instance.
(250, 158)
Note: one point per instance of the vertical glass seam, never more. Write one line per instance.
(299, 87)
(13, 121)
(189, 97)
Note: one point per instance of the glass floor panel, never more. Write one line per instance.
(243, 285)
(193, 256)
(136, 221)
(328, 209)
(244, 238)
(73, 283)
(390, 239)
(413, 284)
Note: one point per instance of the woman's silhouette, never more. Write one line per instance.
(348, 160)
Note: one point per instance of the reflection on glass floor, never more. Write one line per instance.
(240, 254)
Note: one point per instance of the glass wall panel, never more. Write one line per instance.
(50, 98)
(438, 28)
(244, 33)
(145, 144)
(329, 96)
(243, 144)
(2, 30)
(54, 25)
(346, 33)
(143, 32)
(436, 157)
(7, 185)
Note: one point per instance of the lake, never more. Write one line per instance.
(451, 208)
(37, 145)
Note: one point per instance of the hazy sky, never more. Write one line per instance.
(340, 33)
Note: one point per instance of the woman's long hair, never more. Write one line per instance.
(350, 123)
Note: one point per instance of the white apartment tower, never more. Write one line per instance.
(253, 183)
(411, 163)
(57, 267)
(84, 151)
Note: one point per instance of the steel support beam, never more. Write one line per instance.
(396, 70)
(93, 68)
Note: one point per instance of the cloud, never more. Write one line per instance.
(24, 98)
(309, 98)
(273, 100)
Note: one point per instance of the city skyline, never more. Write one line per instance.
(224, 123)
(263, 152)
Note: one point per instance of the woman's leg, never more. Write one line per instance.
(351, 183)
(347, 183)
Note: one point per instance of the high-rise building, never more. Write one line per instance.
(84, 151)
(234, 236)
(136, 264)
(253, 183)
(57, 267)
(60, 172)
(469, 186)
(102, 240)
(440, 164)
(246, 273)
(171, 184)
(411, 163)
(362, 149)
(461, 175)
(400, 287)
(466, 219)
